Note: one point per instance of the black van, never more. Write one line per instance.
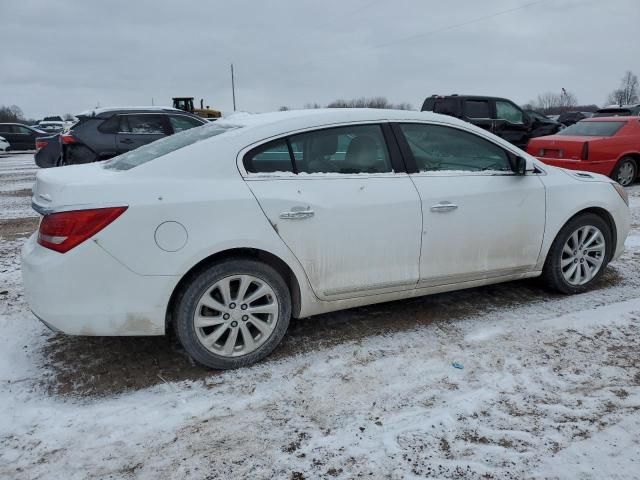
(498, 115)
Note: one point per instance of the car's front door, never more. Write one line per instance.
(511, 123)
(139, 129)
(23, 138)
(480, 219)
(338, 198)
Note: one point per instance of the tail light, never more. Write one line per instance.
(584, 154)
(40, 144)
(63, 231)
(67, 138)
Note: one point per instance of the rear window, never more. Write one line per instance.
(592, 129)
(613, 112)
(166, 145)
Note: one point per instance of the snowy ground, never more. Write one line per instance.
(550, 389)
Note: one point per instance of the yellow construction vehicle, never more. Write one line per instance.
(186, 104)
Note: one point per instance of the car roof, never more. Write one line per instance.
(326, 116)
(455, 95)
(109, 111)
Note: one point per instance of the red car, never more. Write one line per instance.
(607, 145)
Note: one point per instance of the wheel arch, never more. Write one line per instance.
(252, 253)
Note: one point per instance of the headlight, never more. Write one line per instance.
(622, 192)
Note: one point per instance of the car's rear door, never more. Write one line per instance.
(340, 200)
(139, 129)
(480, 219)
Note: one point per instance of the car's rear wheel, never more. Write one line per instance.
(579, 254)
(625, 171)
(233, 313)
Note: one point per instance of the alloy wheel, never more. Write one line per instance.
(236, 315)
(583, 255)
(626, 173)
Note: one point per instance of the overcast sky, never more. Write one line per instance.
(59, 57)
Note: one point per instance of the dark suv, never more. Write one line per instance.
(20, 137)
(498, 115)
(619, 111)
(104, 133)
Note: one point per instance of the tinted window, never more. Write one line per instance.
(111, 125)
(6, 128)
(508, 111)
(613, 112)
(356, 149)
(477, 109)
(165, 145)
(182, 122)
(446, 106)
(437, 148)
(143, 124)
(592, 129)
(21, 130)
(271, 157)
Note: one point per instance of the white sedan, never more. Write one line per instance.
(226, 231)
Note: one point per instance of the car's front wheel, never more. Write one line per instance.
(625, 171)
(579, 254)
(233, 313)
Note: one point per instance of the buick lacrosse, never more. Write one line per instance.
(226, 231)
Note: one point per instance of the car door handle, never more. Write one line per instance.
(128, 141)
(297, 213)
(444, 207)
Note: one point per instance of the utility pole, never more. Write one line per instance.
(233, 89)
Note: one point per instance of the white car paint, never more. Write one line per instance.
(373, 237)
(4, 145)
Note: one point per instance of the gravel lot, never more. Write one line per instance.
(550, 386)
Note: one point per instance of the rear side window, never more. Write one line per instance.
(166, 145)
(5, 129)
(446, 106)
(143, 124)
(436, 148)
(110, 125)
(477, 109)
(269, 158)
(592, 129)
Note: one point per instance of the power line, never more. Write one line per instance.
(451, 27)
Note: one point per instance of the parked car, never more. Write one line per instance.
(619, 111)
(51, 127)
(606, 145)
(104, 133)
(542, 125)
(300, 213)
(20, 137)
(569, 118)
(497, 115)
(4, 145)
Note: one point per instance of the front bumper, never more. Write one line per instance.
(87, 292)
(604, 167)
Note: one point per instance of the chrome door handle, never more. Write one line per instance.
(444, 207)
(298, 213)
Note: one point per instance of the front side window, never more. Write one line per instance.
(592, 129)
(477, 109)
(509, 112)
(143, 124)
(182, 122)
(21, 130)
(436, 148)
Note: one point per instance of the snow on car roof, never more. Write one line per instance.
(97, 111)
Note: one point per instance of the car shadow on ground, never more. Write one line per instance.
(96, 366)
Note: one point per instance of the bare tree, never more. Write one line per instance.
(628, 91)
(12, 113)
(363, 102)
(554, 103)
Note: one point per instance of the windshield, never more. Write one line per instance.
(592, 129)
(166, 145)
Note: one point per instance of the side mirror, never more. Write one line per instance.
(520, 165)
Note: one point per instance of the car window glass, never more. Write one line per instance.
(446, 106)
(348, 150)
(165, 145)
(592, 129)
(508, 111)
(144, 124)
(437, 148)
(5, 129)
(477, 109)
(269, 158)
(111, 125)
(182, 122)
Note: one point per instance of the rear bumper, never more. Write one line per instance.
(87, 292)
(604, 167)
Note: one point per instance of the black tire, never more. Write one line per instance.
(187, 302)
(552, 271)
(625, 162)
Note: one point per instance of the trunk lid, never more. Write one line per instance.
(560, 146)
